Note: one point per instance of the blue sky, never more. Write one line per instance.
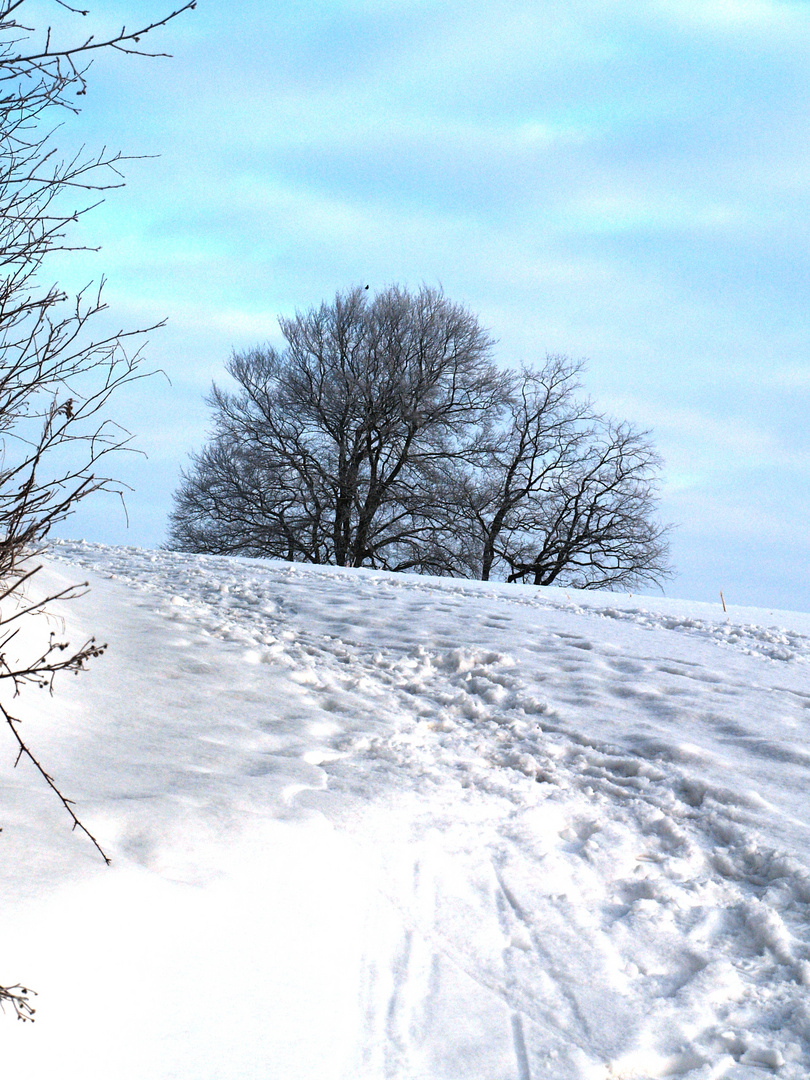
(622, 181)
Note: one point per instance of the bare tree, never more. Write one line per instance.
(595, 528)
(56, 377)
(325, 453)
(562, 494)
(383, 436)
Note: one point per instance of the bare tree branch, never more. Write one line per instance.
(17, 997)
(56, 376)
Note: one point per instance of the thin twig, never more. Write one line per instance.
(17, 996)
(25, 751)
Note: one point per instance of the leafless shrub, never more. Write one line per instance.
(56, 376)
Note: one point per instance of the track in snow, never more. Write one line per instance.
(589, 857)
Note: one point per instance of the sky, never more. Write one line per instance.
(617, 181)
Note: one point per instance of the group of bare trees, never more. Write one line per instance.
(56, 375)
(383, 435)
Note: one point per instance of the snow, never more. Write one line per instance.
(382, 826)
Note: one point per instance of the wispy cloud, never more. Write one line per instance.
(781, 18)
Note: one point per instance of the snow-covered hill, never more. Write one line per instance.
(372, 826)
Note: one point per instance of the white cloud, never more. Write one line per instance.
(624, 210)
(772, 16)
(702, 448)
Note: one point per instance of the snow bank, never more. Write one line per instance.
(366, 825)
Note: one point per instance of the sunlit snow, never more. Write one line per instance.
(382, 826)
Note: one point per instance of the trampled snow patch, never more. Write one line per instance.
(367, 825)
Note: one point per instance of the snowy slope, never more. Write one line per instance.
(381, 826)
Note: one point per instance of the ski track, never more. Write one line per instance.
(629, 906)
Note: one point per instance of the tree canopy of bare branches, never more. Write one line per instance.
(383, 435)
(325, 452)
(56, 375)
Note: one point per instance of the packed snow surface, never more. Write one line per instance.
(366, 825)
